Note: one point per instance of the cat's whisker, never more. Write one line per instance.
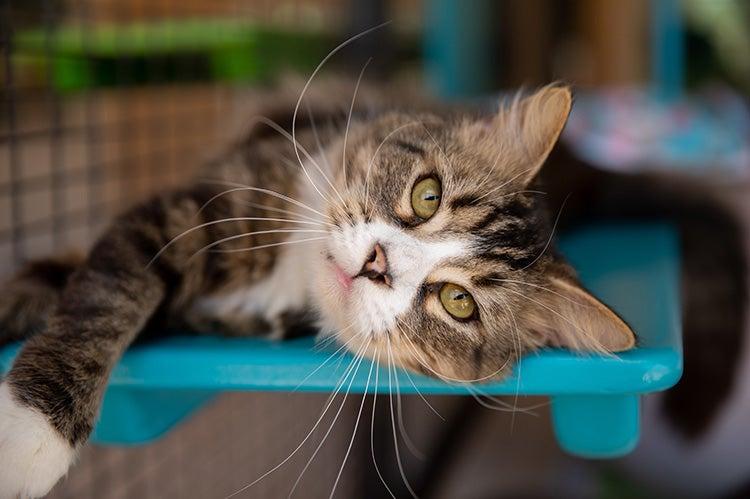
(516, 281)
(502, 406)
(298, 147)
(515, 193)
(411, 380)
(328, 359)
(402, 427)
(255, 233)
(214, 222)
(437, 144)
(304, 90)
(517, 347)
(341, 383)
(255, 205)
(391, 368)
(599, 347)
(372, 430)
(498, 187)
(447, 378)
(262, 246)
(358, 359)
(551, 235)
(270, 192)
(349, 118)
(354, 432)
(375, 155)
(314, 129)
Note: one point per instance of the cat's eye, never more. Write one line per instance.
(457, 301)
(425, 197)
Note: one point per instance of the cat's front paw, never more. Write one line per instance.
(33, 454)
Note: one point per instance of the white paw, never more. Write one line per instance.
(33, 455)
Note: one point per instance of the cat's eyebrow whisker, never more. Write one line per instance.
(437, 144)
(255, 233)
(298, 147)
(262, 246)
(223, 220)
(447, 378)
(516, 281)
(498, 187)
(354, 432)
(391, 369)
(514, 193)
(270, 192)
(349, 118)
(307, 437)
(358, 360)
(372, 430)
(307, 84)
(375, 155)
(551, 235)
(314, 129)
(599, 347)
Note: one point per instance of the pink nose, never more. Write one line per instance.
(376, 266)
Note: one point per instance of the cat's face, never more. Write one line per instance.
(440, 258)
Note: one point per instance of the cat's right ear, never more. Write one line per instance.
(532, 125)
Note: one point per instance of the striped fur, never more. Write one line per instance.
(492, 234)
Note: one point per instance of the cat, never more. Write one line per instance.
(409, 235)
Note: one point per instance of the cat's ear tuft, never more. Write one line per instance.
(568, 316)
(538, 121)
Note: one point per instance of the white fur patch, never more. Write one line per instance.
(375, 308)
(33, 455)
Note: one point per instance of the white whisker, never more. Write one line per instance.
(372, 431)
(255, 233)
(304, 90)
(375, 154)
(349, 118)
(241, 187)
(354, 432)
(358, 359)
(262, 246)
(391, 368)
(214, 222)
(307, 437)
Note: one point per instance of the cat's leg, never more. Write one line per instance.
(50, 398)
(31, 296)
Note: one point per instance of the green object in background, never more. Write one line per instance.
(82, 57)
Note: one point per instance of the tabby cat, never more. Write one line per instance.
(393, 228)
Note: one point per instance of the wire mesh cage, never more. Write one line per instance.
(103, 103)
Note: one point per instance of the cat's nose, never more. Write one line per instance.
(376, 266)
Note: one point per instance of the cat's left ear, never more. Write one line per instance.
(568, 316)
(536, 122)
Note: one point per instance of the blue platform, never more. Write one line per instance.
(595, 400)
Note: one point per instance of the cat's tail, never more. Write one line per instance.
(31, 296)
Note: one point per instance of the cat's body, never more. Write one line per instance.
(415, 238)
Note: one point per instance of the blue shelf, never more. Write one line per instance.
(595, 399)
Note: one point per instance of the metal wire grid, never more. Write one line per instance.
(72, 161)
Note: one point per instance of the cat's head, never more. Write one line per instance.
(441, 258)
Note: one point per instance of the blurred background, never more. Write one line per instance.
(107, 101)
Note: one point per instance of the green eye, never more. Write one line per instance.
(425, 197)
(457, 301)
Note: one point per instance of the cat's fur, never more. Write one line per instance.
(492, 235)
